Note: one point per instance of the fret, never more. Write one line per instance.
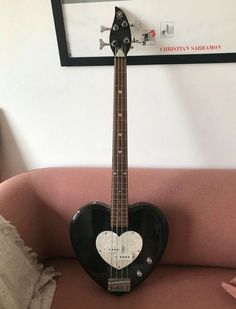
(117, 145)
(119, 213)
(122, 197)
(123, 131)
(119, 176)
(117, 185)
(116, 223)
(119, 217)
(122, 164)
(115, 194)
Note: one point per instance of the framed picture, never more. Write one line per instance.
(163, 32)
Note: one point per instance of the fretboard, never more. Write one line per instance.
(119, 204)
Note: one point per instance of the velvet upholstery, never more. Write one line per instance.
(169, 287)
(200, 206)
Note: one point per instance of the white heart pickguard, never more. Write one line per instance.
(119, 251)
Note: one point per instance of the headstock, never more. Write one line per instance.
(120, 35)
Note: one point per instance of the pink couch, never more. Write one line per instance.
(200, 206)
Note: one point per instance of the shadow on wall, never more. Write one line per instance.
(12, 161)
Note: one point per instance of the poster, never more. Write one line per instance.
(159, 28)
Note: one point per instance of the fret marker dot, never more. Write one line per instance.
(120, 91)
(119, 151)
(119, 134)
(120, 115)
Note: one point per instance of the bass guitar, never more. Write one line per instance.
(119, 245)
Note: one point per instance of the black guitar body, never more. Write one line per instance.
(143, 218)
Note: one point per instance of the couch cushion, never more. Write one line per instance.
(167, 288)
(199, 205)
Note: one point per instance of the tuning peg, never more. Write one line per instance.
(103, 28)
(103, 44)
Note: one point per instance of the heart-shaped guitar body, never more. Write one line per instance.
(118, 259)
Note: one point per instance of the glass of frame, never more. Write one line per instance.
(163, 32)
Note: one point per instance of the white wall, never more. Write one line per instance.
(179, 116)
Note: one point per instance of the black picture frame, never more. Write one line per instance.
(67, 60)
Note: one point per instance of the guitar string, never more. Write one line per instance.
(113, 178)
(119, 208)
(120, 156)
(123, 188)
(122, 142)
(117, 164)
(126, 145)
(121, 160)
(115, 160)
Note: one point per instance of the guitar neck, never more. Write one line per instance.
(119, 204)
